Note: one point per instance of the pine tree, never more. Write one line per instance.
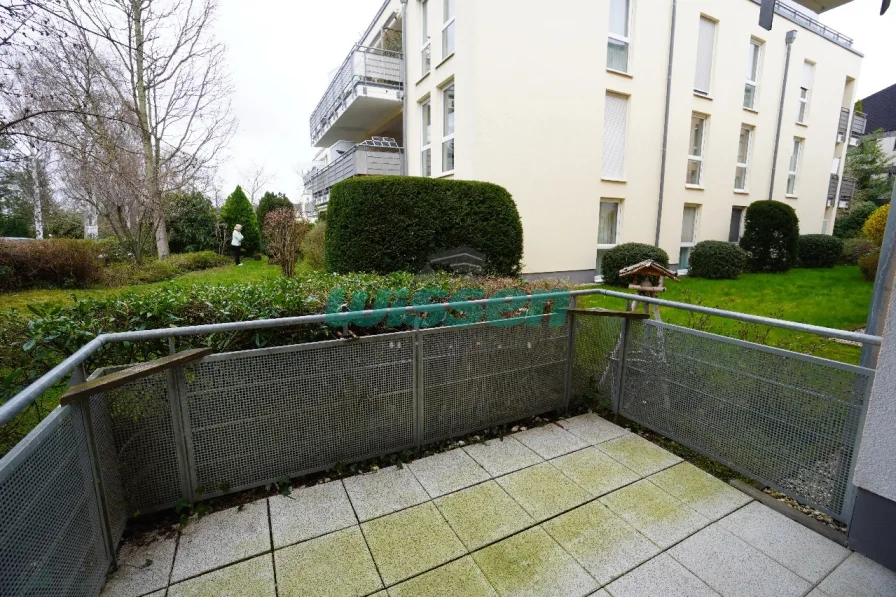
(869, 164)
(238, 210)
(269, 202)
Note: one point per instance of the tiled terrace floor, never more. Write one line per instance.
(578, 508)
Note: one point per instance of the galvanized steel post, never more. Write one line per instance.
(570, 353)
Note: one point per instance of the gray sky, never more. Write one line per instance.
(280, 53)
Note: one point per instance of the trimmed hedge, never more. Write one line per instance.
(387, 224)
(717, 260)
(52, 263)
(854, 249)
(771, 236)
(627, 254)
(819, 250)
(868, 265)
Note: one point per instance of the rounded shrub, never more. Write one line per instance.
(717, 260)
(868, 265)
(854, 248)
(624, 255)
(771, 236)
(386, 224)
(876, 224)
(819, 250)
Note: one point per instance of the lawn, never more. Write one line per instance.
(836, 298)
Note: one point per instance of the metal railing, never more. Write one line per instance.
(800, 18)
(843, 125)
(362, 67)
(244, 419)
(360, 160)
(833, 185)
(847, 192)
(858, 126)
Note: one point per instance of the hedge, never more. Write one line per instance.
(62, 263)
(854, 249)
(868, 264)
(849, 225)
(717, 260)
(771, 236)
(819, 250)
(386, 224)
(627, 254)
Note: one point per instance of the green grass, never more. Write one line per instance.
(251, 271)
(835, 298)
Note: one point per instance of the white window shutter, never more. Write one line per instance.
(706, 39)
(615, 114)
(807, 74)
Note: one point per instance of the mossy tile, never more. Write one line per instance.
(701, 491)
(600, 541)
(594, 471)
(334, 565)
(461, 578)
(639, 454)
(252, 578)
(550, 441)
(656, 514)
(503, 455)
(483, 514)
(543, 491)
(593, 428)
(447, 472)
(531, 564)
(412, 541)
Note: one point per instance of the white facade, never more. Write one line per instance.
(565, 107)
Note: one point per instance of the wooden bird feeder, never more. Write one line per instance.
(640, 276)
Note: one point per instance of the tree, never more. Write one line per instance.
(191, 220)
(269, 202)
(850, 224)
(284, 235)
(238, 210)
(869, 164)
(256, 177)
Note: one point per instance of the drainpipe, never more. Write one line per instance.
(791, 36)
(404, 90)
(659, 207)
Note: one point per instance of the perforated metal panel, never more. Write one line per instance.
(51, 541)
(786, 419)
(485, 375)
(259, 415)
(598, 345)
(110, 473)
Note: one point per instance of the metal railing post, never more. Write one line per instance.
(418, 383)
(180, 427)
(620, 368)
(570, 353)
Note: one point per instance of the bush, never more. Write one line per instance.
(65, 263)
(190, 220)
(395, 223)
(269, 202)
(868, 265)
(849, 225)
(876, 225)
(771, 236)
(238, 210)
(112, 251)
(148, 271)
(854, 248)
(819, 250)
(313, 246)
(283, 236)
(717, 260)
(628, 254)
(193, 262)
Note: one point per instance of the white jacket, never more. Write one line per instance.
(237, 238)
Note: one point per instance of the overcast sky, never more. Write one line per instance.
(280, 53)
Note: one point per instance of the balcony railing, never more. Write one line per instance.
(858, 127)
(804, 20)
(363, 68)
(364, 159)
(843, 125)
(832, 189)
(847, 191)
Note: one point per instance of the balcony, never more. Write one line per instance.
(832, 189)
(847, 190)
(843, 125)
(376, 157)
(365, 91)
(792, 14)
(858, 127)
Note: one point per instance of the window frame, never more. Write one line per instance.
(755, 50)
(712, 58)
(689, 245)
(802, 114)
(618, 203)
(425, 40)
(624, 39)
(447, 21)
(446, 136)
(425, 136)
(741, 220)
(793, 167)
(747, 154)
(697, 158)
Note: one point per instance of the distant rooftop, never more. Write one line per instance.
(880, 109)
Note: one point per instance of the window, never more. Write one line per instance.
(803, 112)
(426, 140)
(688, 235)
(752, 84)
(607, 230)
(706, 39)
(618, 41)
(615, 115)
(744, 146)
(695, 150)
(447, 28)
(425, 41)
(448, 129)
(736, 230)
(794, 165)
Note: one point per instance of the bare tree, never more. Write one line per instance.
(255, 179)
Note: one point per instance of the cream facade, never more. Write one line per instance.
(566, 107)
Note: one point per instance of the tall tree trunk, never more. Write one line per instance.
(38, 207)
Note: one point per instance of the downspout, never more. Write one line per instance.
(404, 90)
(791, 36)
(659, 207)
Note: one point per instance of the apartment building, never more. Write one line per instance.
(567, 108)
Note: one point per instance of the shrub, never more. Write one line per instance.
(65, 263)
(771, 236)
(395, 223)
(819, 250)
(192, 262)
(112, 251)
(876, 225)
(313, 246)
(148, 271)
(268, 203)
(628, 254)
(238, 210)
(854, 248)
(717, 260)
(849, 225)
(868, 265)
(190, 220)
(283, 236)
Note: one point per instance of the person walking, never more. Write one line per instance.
(236, 242)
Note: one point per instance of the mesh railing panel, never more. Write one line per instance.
(598, 342)
(485, 375)
(51, 539)
(785, 419)
(110, 473)
(261, 415)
